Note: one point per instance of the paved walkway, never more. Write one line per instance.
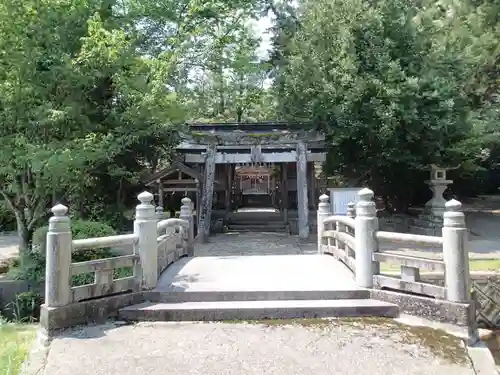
(342, 346)
(256, 262)
(257, 273)
(345, 347)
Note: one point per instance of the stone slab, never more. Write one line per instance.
(460, 314)
(250, 349)
(257, 273)
(262, 295)
(256, 310)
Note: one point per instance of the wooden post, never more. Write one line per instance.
(160, 194)
(145, 229)
(456, 253)
(57, 271)
(366, 243)
(198, 201)
(229, 180)
(310, 186)
(302, 191)
(284, 191)
(208, 192)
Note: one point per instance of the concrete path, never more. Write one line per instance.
(257, 273)
(360, 347)
(256, 262)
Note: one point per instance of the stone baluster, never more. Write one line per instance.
(366, 225)
(187, 214)
(160, 215)
(145, 229)
(340, 228)
(323, 213)
(58, 262)
(456, 253)
(351, 210)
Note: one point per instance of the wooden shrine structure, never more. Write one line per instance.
(223, 167)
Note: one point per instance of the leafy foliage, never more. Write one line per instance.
(389, 96)
(83, 106)
(80, 229)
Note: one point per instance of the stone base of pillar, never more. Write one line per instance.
(436, 205)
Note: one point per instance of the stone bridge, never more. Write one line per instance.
(257, 276)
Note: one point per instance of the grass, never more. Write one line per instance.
(15, 341)
(476, 265)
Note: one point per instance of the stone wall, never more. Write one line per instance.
(486, 288)
(10, 289)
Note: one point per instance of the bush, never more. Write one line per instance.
(80, 229)
(7, 219)
(32, 266)
(26, 307)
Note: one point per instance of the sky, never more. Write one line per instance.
(261, 28)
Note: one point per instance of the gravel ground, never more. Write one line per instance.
(350, 347)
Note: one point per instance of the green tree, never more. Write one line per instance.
(76, 96)
(388, 99)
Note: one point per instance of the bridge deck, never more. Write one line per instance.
(243, 262)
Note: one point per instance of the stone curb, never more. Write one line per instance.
(482, 360)
(37, 356)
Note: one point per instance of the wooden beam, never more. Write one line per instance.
(275, 157)
(179, 182)
(175, 189)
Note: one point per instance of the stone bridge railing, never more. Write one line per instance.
(355, 240)
(155, 243)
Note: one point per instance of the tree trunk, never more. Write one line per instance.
(24, 235)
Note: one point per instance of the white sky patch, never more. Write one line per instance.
(261, 28)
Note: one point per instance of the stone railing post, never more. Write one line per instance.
(456, 253)
(145, 229)
(351, 210)
(58, 262)
(187, 214)
(160, 215)
(365, 228)
(323, 213)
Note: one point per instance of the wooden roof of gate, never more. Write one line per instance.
(174, 167)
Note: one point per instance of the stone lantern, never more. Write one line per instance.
(438, 185)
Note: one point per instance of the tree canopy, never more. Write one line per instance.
(94, 93)
(390, 84)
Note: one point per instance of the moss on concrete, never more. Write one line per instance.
(439, 342)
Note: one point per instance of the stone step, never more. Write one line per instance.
(278, 295)
(424, 231)
(256, 228)
(254, 220)
(256, 310)
(262, 225)
(257, 222)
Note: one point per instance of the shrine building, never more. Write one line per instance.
(227, 167)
